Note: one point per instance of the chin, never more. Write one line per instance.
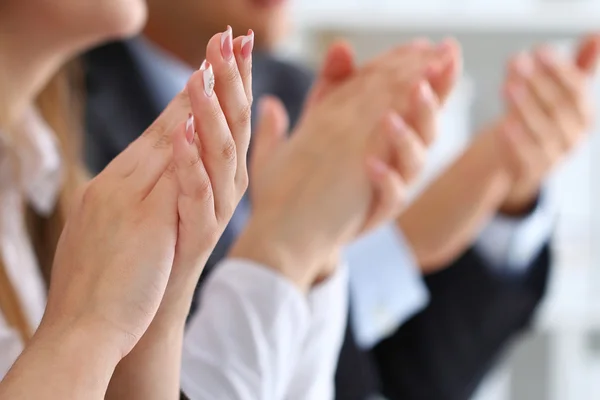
(126, 24)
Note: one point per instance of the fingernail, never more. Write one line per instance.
(377, 166)
(524, 65)
(227, 43)
(426, 92)
(398, 123)
(189, 129)
(208, 78)
(248, 44)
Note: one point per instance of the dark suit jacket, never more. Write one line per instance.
(443, 351)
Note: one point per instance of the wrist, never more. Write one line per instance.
(258, 245)
(85, 351)
(520, 201)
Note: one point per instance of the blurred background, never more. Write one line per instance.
(560, 358)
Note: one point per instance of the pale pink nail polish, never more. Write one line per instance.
(208, 78)
(189, 129)
(227, 43)
(248, 44)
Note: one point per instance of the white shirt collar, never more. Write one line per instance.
(39, 172)
(165, 74)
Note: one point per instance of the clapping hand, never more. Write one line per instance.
(363, 128)
(549, 113)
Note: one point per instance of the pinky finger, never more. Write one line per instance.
(194, 183)
(390, 193)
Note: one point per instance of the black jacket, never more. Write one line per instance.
(442, 352)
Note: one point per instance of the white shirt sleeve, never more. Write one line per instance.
(386, 285)
(247, 336)
(256, 336)
(511, 244)
(314, 377)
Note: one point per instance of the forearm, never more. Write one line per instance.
(444, 220)
(152, 370)
(62, 364)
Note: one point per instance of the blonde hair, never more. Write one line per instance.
(61, 106)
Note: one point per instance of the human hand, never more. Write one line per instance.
(276, 157)
(212, 174)
(549, 112)
(146, 210)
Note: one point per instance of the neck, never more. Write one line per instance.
(189, 47)
(27, 61)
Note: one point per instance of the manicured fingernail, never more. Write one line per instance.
(248, 44)
(227, 43)
(189, 129)
(426, 92)
(208, 78)
(377, 166)
(524, 65)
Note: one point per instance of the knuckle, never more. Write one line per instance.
(194, 160)
(228, 150)
(215, 111)
(203, 189)
(91, 195)
(244, 115)
(171, 171)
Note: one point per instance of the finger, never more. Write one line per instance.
(444, 75)
(217, 147)
(338, 66)
(272, 126)
(230, 91)
(195, 203)
(409, 150)
(530, 113)
(586, 56)
(545, 89)
(242, 48)
(563, 93)
(423, 116)
(144, 161)
(522, 151)
(389, 193)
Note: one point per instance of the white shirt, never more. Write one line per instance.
(256, 336)
(35, 177)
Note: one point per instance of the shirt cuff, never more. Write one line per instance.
(386, 285)
(244, 340)
(511, 244)
(314, 375)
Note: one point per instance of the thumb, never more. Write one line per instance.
(338, 66)
(587, 54)
(272, 128)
